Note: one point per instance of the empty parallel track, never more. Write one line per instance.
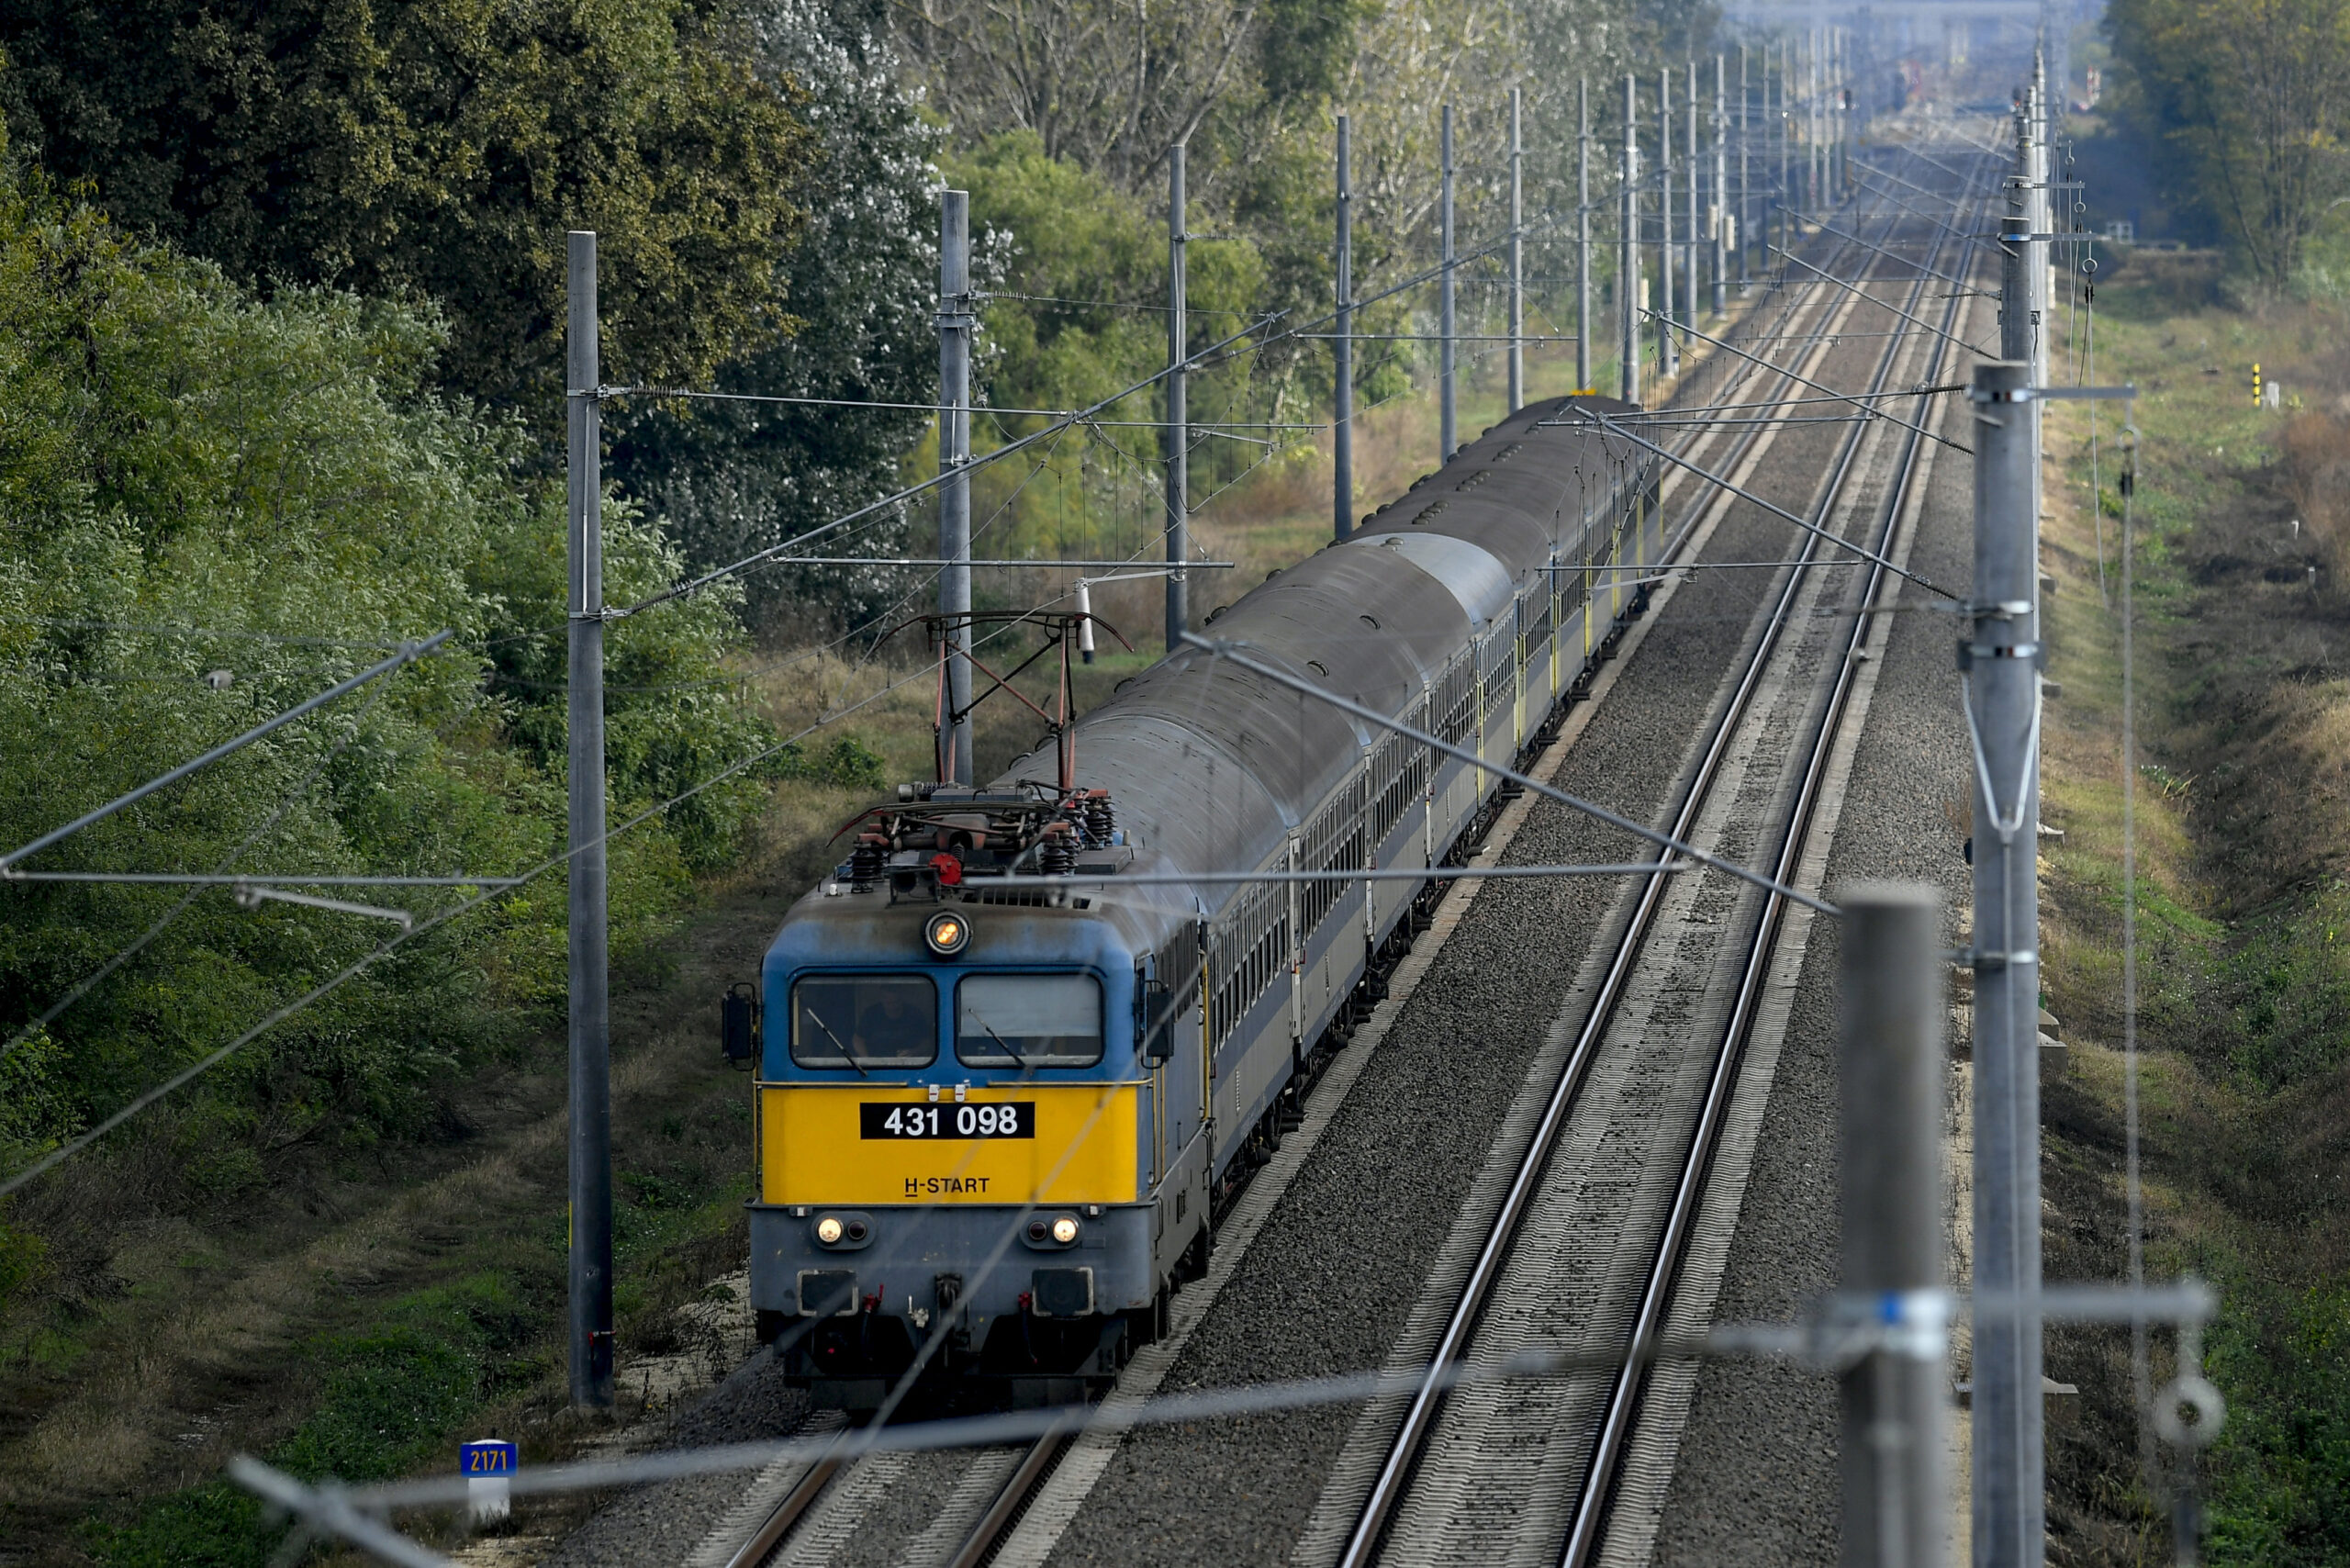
(1411, 1447)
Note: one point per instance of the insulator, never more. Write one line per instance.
(1057, 854)
(865, 861)
(1101, 820)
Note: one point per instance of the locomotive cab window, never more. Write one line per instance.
(845, 1023)
(1028, 1020)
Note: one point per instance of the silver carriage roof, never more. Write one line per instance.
(1210, 766)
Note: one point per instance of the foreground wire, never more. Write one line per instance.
(1837, 1334)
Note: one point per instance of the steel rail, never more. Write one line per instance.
(1629, 1383)
(789, 1512)
(1004, 1512)
(1388, 1488)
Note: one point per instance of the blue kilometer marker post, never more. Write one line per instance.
(487, 1465)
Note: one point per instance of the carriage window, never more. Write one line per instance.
(859, 1022)
(1028, 1021)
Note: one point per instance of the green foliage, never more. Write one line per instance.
(1065, 234)
(2252, 100)
(1082, 271)
(2282, 1464)
(217, 1525)
(192, 482)
(441, 148)
(389, 1400)
(846, 764)
(728, 479)
(669, 722)
(22, 1255)
(1307, 45)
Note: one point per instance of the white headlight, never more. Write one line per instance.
(828, 1230)
(1064, 1230)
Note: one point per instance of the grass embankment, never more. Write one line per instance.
(2243, 674)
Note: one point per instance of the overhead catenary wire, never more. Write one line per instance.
(409, 653)
(17, 1179)
(767, 556)
(1771, 507)
(1905, 316)
(607, 394)
(1208, 357)
(139, 944)
(1238, 652)
(1834, 394)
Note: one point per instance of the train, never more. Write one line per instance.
(996, 1118)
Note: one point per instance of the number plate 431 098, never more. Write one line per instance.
(882, 1120)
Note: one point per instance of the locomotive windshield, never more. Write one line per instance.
(844, 1021)
(1028, 1020)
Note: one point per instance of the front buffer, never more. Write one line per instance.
(999, 1219)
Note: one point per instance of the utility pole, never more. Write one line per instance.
(1628, 270)
(1668, 356)
(1811, 128)
(1895, 1427)
(2039, 172)
(1516, 250)
(591, 1003)
(1844, 114)
(1721, 214)
(1745, 131)
(1790, 197)
(1689, 252)
(1835, 111)
(1583, 232)
(1783, 126)
(954, 324)
(1179, 408)
(1448, 423)
(1342, 413)
(2001, 667)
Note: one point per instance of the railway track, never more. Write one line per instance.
(983, 1503)
(994, 1487)
(794, 1505)
(1427, 1500)
(965, 1509)
(978, 1547)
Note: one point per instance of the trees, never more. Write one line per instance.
(2254, 98)
(860, 281)
(194, 482)
(1106, 85)
(439, 148)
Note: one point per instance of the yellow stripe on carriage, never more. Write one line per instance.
(813, 1150)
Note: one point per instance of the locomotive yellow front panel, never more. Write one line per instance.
(1041, 1143)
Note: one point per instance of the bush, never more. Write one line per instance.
(194, 482)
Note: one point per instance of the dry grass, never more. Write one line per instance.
(2242, 818)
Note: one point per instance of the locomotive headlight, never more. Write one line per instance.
(828, 1229)
(1065, 1229)
(947, 934)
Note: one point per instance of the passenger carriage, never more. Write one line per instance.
(995, 1123)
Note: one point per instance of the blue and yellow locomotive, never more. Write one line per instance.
(996, 1123)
